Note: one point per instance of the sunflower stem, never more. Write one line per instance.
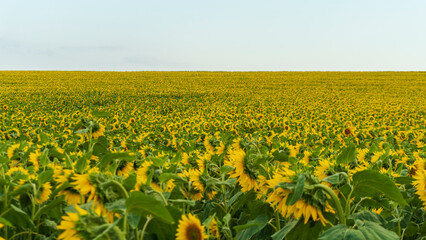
(348, 200)
(117, 186)
(148, 219)
(333, 196)
(277, 217)
(162, 197)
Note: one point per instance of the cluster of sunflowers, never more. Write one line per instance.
(204, 155)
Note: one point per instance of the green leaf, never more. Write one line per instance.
(367, 216)
(5, 222)
(28, 187)
(308, 231)
(251, 228)
(45, 176)
(164, 177)
(147, 205)
(44, 138)
(107, 158)
(81, 163)
(100, 146)
(333, 179)
(4, 159)
(282, 233)
(296, 194)
(404, 180)
(347, 155)
(226, 169)
(367, 230)
(133, 219)
(189, 202)
(118, 206)
(49, 206)
(129, 182)
(369, 183)
(18, 217)
(280, 156)
(82, 131)
(44, 159)
(162, 230)
(209, 220)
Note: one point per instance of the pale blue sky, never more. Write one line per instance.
(213, 35)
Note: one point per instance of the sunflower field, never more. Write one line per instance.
(212, 155)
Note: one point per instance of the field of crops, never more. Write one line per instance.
(212, 155)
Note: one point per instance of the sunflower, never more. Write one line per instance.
(306, 157)
(420, 179)
(5, 107)
(348, 131)
(69, 223)
(34, 159)
(213, 229)
(98, 130)
(208, 146)
(62, 176)
(11, 151)
(83, 184)
(17, 170)
(279, 197)
(190, 228)
(196, 193)
(44, 193)
(322, 168)
(124, 168)
(220, 149)
(243, 172)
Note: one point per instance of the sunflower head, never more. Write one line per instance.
(348, 131)
(190, 228)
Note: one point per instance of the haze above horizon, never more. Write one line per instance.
(224, 36)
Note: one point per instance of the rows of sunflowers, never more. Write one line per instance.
(212, 155)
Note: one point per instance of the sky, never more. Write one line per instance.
(198, 35)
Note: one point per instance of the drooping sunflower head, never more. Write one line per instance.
(69, 224)
(125, 168)
(190, 228)
(214, 229)
(98, 130)
(12, 150)
(311, 205)
(245, 171)
(34, 159)
(44, 193)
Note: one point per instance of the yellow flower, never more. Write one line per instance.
(305, 159)
(125, 168)
(84, 186)
(322, 168)
(12, 150)
(348, 131)
(190, 228)
(34, 159)
(213, 229)
(208, 146)
(279, 197)
(245, 177)
(69, 223)
(45, 193)
(98, 131)
(420, 179)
